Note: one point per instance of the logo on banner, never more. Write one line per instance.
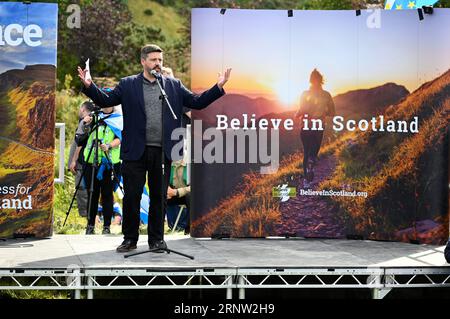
(284, 192)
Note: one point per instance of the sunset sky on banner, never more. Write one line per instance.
(272, 55)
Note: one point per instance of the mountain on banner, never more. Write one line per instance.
(31, 73)
(233, 105)
(402, 175)
(27, 108)
(354, 104)
(405, 175)
(357, 104)
(369, 102)
(31, 92)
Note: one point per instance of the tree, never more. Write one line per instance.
(107, 36)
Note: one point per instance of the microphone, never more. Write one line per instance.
(155, 74)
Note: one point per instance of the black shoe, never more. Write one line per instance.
(126, 246)
(106, 230)
(157, 246)
(90, 230)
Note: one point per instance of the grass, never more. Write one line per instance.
(35, 294)
(251, 211)
(361, 161)
(8, 122)
(166, 17)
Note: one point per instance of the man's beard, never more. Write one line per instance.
(156, 68)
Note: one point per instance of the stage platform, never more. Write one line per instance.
(78, 262)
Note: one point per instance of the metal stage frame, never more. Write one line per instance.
(229, 266)
(380, 280)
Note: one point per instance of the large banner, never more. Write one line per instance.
(335, 124)
(27, 117)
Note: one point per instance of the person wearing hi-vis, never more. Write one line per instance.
(142, 138)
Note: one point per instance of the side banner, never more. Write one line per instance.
(28, 34)
(335, 124)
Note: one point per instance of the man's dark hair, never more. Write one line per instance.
(88, 105)
(149, 48)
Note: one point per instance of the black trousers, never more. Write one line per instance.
(311, 141)
(134, 174)
(104, 187)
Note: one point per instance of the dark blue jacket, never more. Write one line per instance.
(129, 92)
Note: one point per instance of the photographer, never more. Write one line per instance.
(76, 162)
(107, 158)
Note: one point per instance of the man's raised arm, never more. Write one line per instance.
(200, 101)
(95, 94)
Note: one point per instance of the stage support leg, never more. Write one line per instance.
(77, 280)
(241, 289)
(200, 281)
(380, 293)
(230, 290)
(90, 292)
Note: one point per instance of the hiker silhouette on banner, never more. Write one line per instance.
(315, 104)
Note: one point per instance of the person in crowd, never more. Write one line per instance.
(167, 72)
(116, 217)
(102, 157)
(76, 162)
(178, 194)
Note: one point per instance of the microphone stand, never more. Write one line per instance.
(163, 188)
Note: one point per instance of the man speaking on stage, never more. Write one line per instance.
(142, 137)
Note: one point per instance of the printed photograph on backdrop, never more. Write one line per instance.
(335, 125)
(27, 117)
